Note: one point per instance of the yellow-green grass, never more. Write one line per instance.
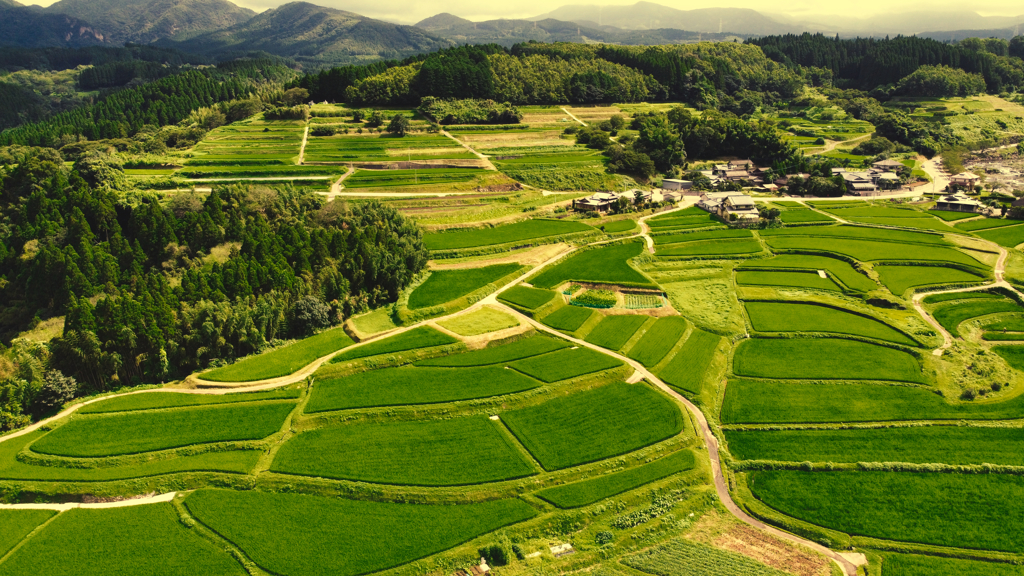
(447, 285)
(858, 233)
(422, 337)
(801, 216)
(568, 318)
(1003, 336)
(1014, 355)
(607, 264)
(981, 511)
(659, 340)
(950, 296)
(870, 250)
(135, 432)
(594, 489)
(318, 536)
(281, 361)
(375, 322)
(410, 385)
(785, 279)
(16, 524)
(766, 402)
(922, 223)
(824, 358)
(614, 331)
(527, 297)
(565, 364)
(683, 557)
(1008, 324)
(453, 452)
(811, 317)
(154, 400)
(920, 565)
(619, 226)
(594, 425)
(716, 248)
(519, 232)
(684, 213)
(515, 350)
(836, 268)
(695, 236)
(481, 321)
(928, 444)
(950, 216)
(985, 224)
(899, 279)
(686, 370)
(950, 316)
(1009, 236)
(144, 540)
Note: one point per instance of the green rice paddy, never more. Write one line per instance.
(594, 489)
(422, 337)
(527, 297)
(607, 264)
(827, 358)
(659, 340)
(515, 350)
(281, 361)
(565, 364)
(447, 285)
(524, 231)
(899, 279)
(687, 369)
(614, 331)
(568, 318)
(808, 317)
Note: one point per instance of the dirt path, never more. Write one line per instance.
(485, 159)
(573, 116)
(645, 230)
(302, 149)
(94, 505)
(831, 145)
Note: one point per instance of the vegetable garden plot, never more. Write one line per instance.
(607, 264)
(823, 358)
(146, 540)
(1009, 236)
(659, 340)
(686, 370)
(351, 536)
(984, 511)
(950, 316)
(524, 348)
(785, 279)
(281, 361)
(568, 318)
(807, 317)
(408, 385)
(155, 400)
(594, 425)
(527, 297)
(509, 233)
(135, 432)
(838, 268)
(422, 337)
(899, 279)
(446, 285)
(921, 445)
(716, 248)
(605, 486)
(614, 331)
(434, 453)
(869, 250)
(683, 557)
(565, 364)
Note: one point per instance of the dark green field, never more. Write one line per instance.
(918, 565)
(447, 285)
(16, 524)
(606, 265)
(154, 400)
(614, 331)
(565, 364)
(527, 297)
(950, 316)
(518, 232)
(589, 491)
(825, 358)
(686, 371)
(568, 318)
(658, 340)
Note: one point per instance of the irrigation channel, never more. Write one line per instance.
(710, 441)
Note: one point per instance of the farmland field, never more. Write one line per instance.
(658, 340)
(614, 331)
(480, 321)
(899, 279)
(920, 565)
(527, 297)
(606, 264)
(858, 233)
(682, 557)
(1008, 236)
(407, 385)
(591, 490)
(870, 250)
(719, 248)
(952, 216)
(565, 364)
(447, 285)
(926, 223)
(950, 316)
(1014, 355)
(801, 216)
(422, 337)
(145, 540)
(518, 349)
(949, 297)
(281, 361)
(16, 524)
(823, 358)
(985, 224)
(594, 425)
(518, 232)
(568, 318)
(803, 317)
(104, 435)
(807, 279)
(941, 509)
(840, 269)
(687, 368)
(437, 453)
(155, 400)
(352, 536)
(694, 236)
(364, 179)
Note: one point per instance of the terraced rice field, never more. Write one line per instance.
(446, 285)
(715, 248)
(157, 400)
(806, 317)
(899, 279)
(827, 358)
(568, 318)
(870, 250)
(606, 264)
(950, 316)
(422, 337)
(565, 364)
(659, 339)
(523, 232)
(281, 361)
(614, 331)
(594, 489)
(688, 368)
(383, 148)
(1008, 236)
(681, 557)
(985, 224)
(527, 297)
(835, 268)
(785, 279)
(499, 354)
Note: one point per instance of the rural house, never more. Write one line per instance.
(599, 202)
(739, 208)
(888, 165)
(964, 180)
(958, 203)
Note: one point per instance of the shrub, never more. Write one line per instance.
(596, 299)
(56, 390)
(603, 537)
(323, 131)
(494, 554)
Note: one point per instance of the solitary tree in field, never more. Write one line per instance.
(399, 125)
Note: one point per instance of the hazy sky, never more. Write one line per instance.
(410, 11)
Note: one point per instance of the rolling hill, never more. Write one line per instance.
(651, 16)
(145, 21)
(31, 27)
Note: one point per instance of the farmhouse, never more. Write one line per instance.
(739, 208)
(964, 179)
(599, 202)
(888, 165)
(958, 203)
(673, 184)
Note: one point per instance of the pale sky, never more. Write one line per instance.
(411, 11)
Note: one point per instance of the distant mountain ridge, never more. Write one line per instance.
(145, 21)
(31, 27)
(651, 16)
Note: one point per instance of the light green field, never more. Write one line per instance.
(518, 232)
(568, 318)
(658, 340)
(447, 285)
(422, 337)
(719, 248)
(870, 250)
(808, 317)
(282, 361)
(565, 364)
(481, 321)
(825, 358)
(785, 279)
(686, 370)
(682, 557)
(950, 316)
(16, 524)
(899, 279)
(918, 565)
(518, 349)
(836, 268)
(526, 297)
(614, 331)
(155, 400)
(1009, 236)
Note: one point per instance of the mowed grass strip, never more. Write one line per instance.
(594, 425)
(518, 232)
(515, 350)
(155, 400)
(683, 557)
(568, 318)
(899, 279)
(607, 264)
(659, 340)
(594, 489)
(757, 402)
(453, 452)
(408, 385)
(527, 297)
(565, 364)
(809, 317)
(833, 266)
(950, 316)
(350, 537)
(614, 331)
(929, 444)
(1008, 236)
(687, 368)
(920, 565)
(447, 285)
(828, 358)
(135, 432)
(144, 540)
(785, 279)
(422, 337)
(982, 511)
(282, 361)
(16, 524)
